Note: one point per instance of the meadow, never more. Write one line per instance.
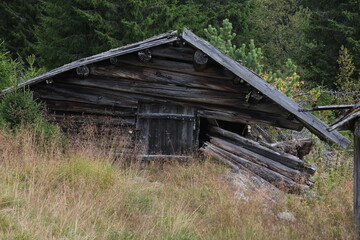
(76, 189)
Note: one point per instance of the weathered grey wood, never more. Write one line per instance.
(167, 77)
(148, 43)
(265, 173)
(167, 116)
(84, 95)
(175, 66)
(328, 107)
(99, 120)
(83, 71)
(357, 176)
(286, 159)
(76, 107)
(200, 60)
(293, 174)
(315, 125)
(210, 152)
(248, 116)
(184, 53)
(144, 55)
(172, 135)
(154, 89)
(296, 147)
(161, 156)
(346, 121)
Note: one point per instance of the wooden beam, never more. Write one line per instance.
(357, 176)
(184, 53)
(314, 124)
(148, 43)
(328, 107)
(286, 159)
(345, 123)
(293, 174)
(273, 177)
(147, 74)
(200, 60)
(175, 66)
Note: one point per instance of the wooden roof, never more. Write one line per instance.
(312, 123)
(315, 125)
(346, 121)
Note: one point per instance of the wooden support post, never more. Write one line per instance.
(357, 176)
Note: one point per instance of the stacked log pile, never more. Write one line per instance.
(283, 170)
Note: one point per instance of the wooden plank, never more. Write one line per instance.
(147, 74)
(167, 116)
(148, 43)
(84, 95)
(184, 53)
(175, 66)
(357, 176)
(210, 152)
(315, 125)
(248, 116)
(120, 94)
(328, 107)
(293, 174)
(263, 172)
(346, 122)
(163, 135)
(154, 89)
(83, 119)
(76, 107)
(283, 158)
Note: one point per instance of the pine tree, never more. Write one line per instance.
(333, 23)
(18, 18)
(249, 56)
(349, 89)
(71, 30)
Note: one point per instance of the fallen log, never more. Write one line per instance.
(295, 175)
(284, 158)
(274, 178)
(297, 147)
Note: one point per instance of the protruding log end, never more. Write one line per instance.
(113, 60)
(83, 71)
(200, 60)
(144, 55)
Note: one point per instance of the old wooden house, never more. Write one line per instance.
(179, 93)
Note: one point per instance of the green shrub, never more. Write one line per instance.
(18, 108)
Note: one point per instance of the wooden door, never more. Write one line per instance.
(167, 129)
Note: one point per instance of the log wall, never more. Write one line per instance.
(114, 88)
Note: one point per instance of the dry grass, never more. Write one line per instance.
(78, 192)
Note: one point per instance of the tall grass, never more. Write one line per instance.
(78, 191)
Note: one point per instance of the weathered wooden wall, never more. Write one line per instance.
(114, 88)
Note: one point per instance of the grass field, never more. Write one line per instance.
(76, 191)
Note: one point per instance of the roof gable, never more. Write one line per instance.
(314, 124)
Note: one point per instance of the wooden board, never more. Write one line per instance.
(166, 129)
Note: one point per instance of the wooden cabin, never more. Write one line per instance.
(179, 94)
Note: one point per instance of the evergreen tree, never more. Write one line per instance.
(72, 29)
(278, 28)
(223, 38)
(334, 23)
(349, 90)
(18, 18)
